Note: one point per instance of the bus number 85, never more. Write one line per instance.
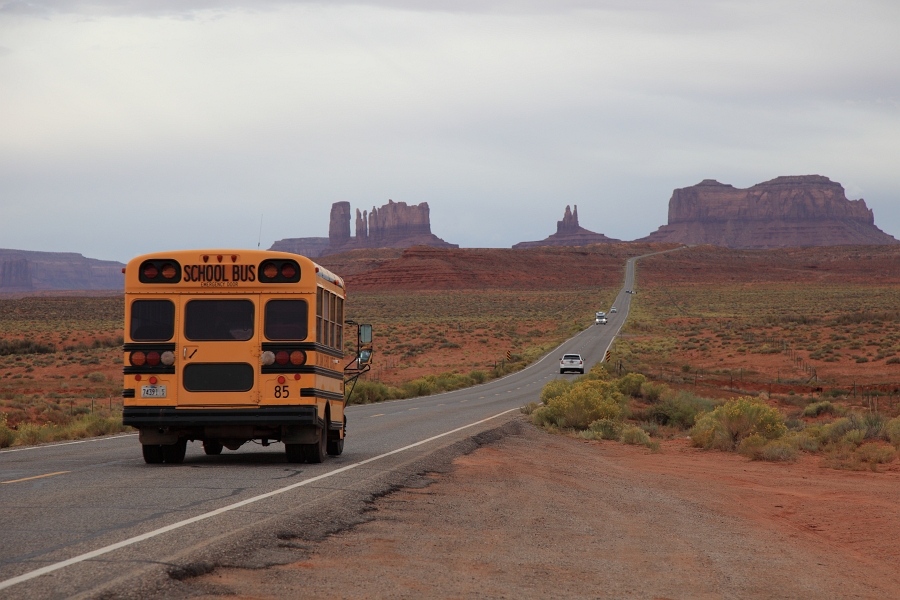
(282, 391)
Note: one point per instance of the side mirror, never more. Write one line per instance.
(365, 334)
(365, 356)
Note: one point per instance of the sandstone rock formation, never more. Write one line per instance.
(569, 233)
(394, 225)
(310, 247)
(25, 271)
(808, 210)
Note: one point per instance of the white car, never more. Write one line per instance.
(571, 362)
(601, 321)
(613, 309)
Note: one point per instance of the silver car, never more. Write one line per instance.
(571, 362)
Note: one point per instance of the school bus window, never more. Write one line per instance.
(339, 319)
(319, 315)
(286, 319)
(218, 320)
(152, 320)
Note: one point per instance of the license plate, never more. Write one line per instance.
(153, 391)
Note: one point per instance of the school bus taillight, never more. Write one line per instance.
(298, 357)
(270, 270)
(288, 271)
(150, 271)
(282, 357)
(153, 358)
(169, 271)
(138, 358)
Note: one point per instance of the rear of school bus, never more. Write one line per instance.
(227, 346)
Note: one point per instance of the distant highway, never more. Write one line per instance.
(80, 518)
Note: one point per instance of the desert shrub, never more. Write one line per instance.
(630, 384)
(529, 408)
(555, 389)
(847, 456)
(635, 435)
(29, 434)
(874, 424)
(478, 376)
(8, 347)
(597, 373)
(892, 431)
(96, 377)
(367, 392)
(7, 435)
(678, 409)
(607, 429)
(652, 392)
(727, 426)
(757, 447)
(821, 408)
(854, 437)
(583, 404)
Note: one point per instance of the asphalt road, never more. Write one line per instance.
(81, 518)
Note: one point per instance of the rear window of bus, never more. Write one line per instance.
(152, 320)
(218, 320)
(286, 319)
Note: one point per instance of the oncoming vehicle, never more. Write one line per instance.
(571, 362)
(601, 321)
(229, 346)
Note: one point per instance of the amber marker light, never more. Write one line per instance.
(138, 358)
(298, 357)
(270, 270)
(168, 271)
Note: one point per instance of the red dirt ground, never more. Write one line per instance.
(542, 516)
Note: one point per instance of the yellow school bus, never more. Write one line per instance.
(229, 346)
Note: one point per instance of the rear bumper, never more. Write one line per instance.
(264, 416)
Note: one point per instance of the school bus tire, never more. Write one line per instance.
(174, 454)
(294, 453)
(212, 448)
(153, 454)
(316, 453)
(336, 444)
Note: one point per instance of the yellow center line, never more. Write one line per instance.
(463, 401)
(36, 477)
(414, 408)
(378, 415)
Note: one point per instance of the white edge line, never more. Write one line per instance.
(42, 446)
(150, 534)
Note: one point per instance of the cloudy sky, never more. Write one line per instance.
(132, 126)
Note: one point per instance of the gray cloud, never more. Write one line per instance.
(180, 123)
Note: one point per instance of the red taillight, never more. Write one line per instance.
(137, 377)
(168, 271)
(153, 358)
(288, 270)
(298, 357)
(153, 380)
(138, 358)
(281, 357)
(270, 270)
(150, 271)
(297, 376)
(281, 379)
